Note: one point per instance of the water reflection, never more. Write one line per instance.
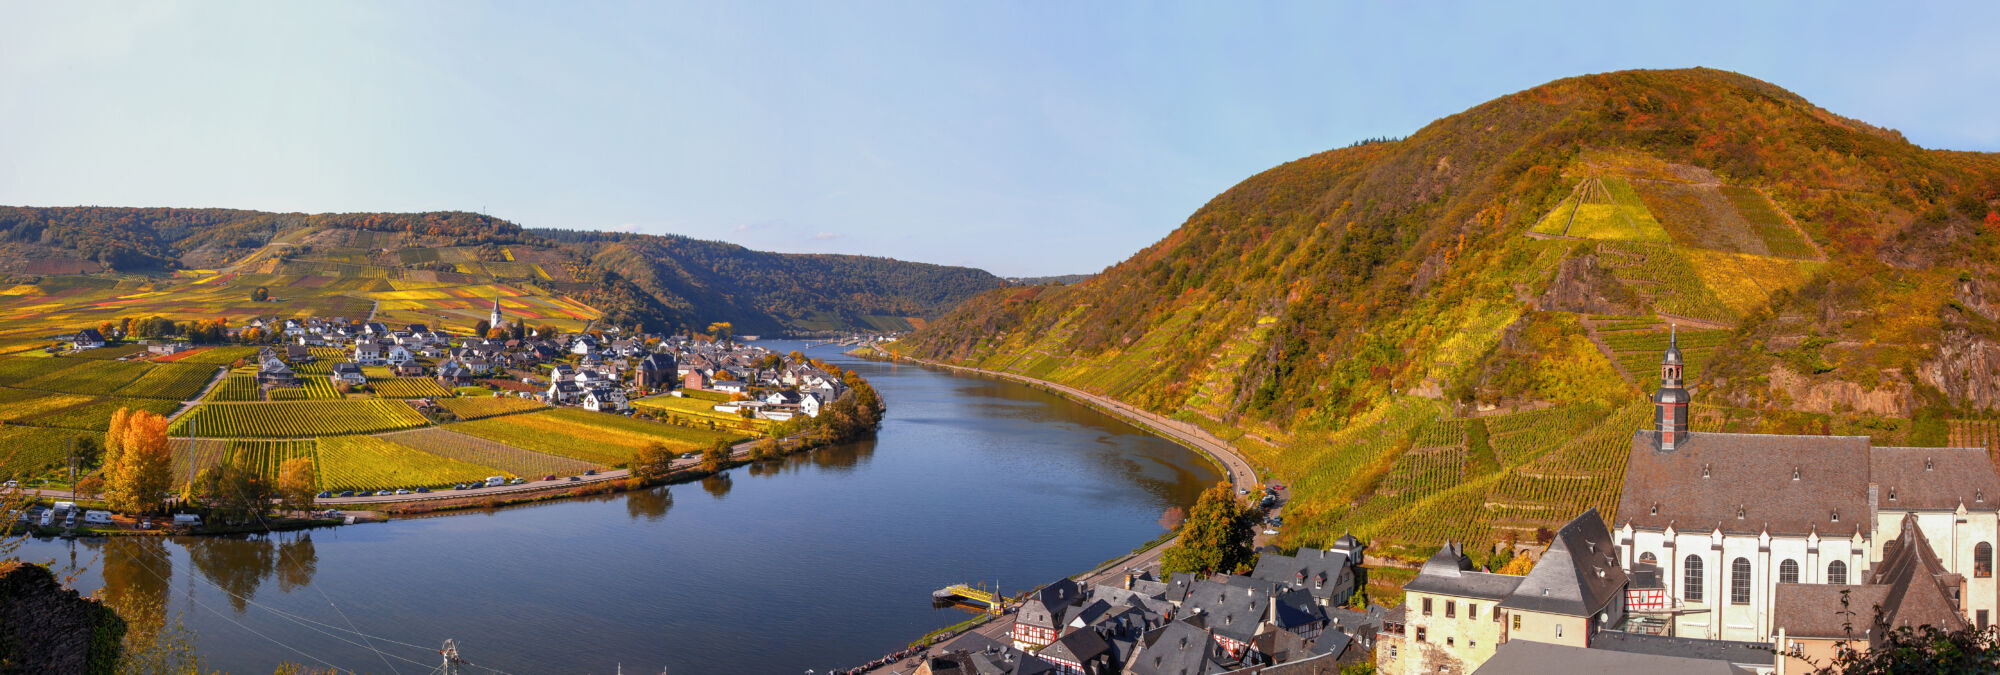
(717, 486)
(650, 504)
(239, 565)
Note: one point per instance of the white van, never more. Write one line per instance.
(97, 517)
(65, 506)
(187, 520)
(496, 481)
(48, 518)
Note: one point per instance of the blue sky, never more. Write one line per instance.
(1025, 138)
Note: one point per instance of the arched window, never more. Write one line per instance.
(1788, 572)
(1648, 559)
(1982, 560)
(1836, 572)
(1739, 581)
(1691, 583)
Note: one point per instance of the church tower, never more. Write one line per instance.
(495, 320)
(1670, 404)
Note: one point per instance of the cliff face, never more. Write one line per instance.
(45, 628)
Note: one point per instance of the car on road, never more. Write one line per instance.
(326, 495)
(1270, 531)
(12, 484)
(402, 492)
(347, 493)
(589, 472)
(424, 490)
(518, 481)
(384, 493)
(549, 477)
(1277, 486)
(574, 479)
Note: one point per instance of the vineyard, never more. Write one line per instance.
(480, 407)
(1976, 434)
(373, 463)
(311, 388)
(193, 455)
(96, 415)
(1666, 279)
(237, 388)
(1587, 471)
(171, 381)
(409, 387)
(483, 452)
(266, 457)
(27, 452)
(296, 419)
(217, 356)
(1639, 352)
(593, 437)
(84, 376)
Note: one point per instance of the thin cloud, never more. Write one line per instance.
(823, 236)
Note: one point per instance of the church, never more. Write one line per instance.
(1722, 519)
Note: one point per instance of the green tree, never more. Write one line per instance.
(480, 328)
(652, 463)
(237, 493)
(1215, 538)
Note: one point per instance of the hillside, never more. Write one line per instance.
(1359, 319)
(446, 267)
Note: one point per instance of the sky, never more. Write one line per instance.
(1024, 137)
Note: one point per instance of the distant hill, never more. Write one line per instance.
(663, 282)
(1359, 318)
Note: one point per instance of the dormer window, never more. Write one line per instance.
(1892, 494)
(1836, 516)
(1927, 463)
(1704, 471)
(1795, 473)
(1739, 511)
(1656, 508)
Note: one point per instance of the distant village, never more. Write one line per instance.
(603, 369)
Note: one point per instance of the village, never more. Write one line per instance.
(1730, 553)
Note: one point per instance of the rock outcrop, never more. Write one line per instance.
(45, 628)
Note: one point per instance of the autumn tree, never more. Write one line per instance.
(480, 328)
(260, 295)
(722, 331)
(496, 333)
(296, 483)
(517, 331)
(108, 330)
(1172, 518)
(765, 449)
(652, 463)
(716, 455)
(547, 332)
(144, 468)
(1215, 538)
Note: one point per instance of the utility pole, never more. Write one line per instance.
(70, 452)
(451, 660)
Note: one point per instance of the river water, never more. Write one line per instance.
(823, 561)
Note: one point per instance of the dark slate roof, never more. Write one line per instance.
(1524, 657)
(1077, 646)
(1178, 648)
(1056, 598)
(1577, 576)
(1934, 478)
(1717, 651)
(1232, 611)
(1751, 472)
(1449, 572)
(1814, 610)
(1920, 588)
(1315, 571)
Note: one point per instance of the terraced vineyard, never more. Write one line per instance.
(1976, 434)
(85, 376)
(1588, 471)
(1523, 436)
(373, 463)
(409, 387)
(96, 414)
(480, 407)
(296, 418)
(484, 452)
(1639, 352)
(193, 455)
(218, 356)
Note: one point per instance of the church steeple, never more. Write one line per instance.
(1670, 403)
(494, 321)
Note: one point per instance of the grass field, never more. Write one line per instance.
(296, 419)
(593, 437)
(373, 463)
(480, 407)
(484, 452)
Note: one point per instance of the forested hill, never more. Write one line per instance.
(1359, 319)
(662, 282)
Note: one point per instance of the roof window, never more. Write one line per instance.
(1704, 471)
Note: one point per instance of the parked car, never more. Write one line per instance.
(589, 472)
(145, 523)
(97, 517)
(187, 520)
(496, 481)
(384, 493)
(518, 481)
(424, 490)
(12, 484)
(347, 493)
(549, 477)
(325, 495)
(403, 492)
(574, 479)
(71, 520)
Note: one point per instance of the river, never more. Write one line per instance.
(826, 560)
